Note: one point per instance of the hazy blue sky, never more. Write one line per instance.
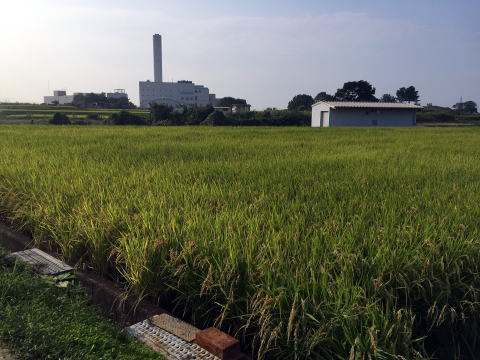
(265, 51)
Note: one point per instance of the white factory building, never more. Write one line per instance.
(175, 94)
(60, 97)
(117, 94)
(338, 113)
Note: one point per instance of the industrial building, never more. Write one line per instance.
(235, 108)
(117, 94)
(338, 113)
(60, 97)
(175, 94)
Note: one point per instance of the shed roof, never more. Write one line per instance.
(365, 105)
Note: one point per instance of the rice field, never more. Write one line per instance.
(41, 114)
(305, 243)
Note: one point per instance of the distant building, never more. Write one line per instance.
(117, 94)
(240, 108)
(224, 109)
(175, 94)
(179, 94)
(337, 113)
(59, 97)
(233, 109)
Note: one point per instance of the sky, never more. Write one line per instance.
(265, 51)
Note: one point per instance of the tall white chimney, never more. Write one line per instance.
(157, 58)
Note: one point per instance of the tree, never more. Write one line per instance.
(230, 101)
(467, 107)
(119, 103)
(356, 91)
(458, 107)
(195, 115)
(160, 112)
(174, 119)
(470, 107)
(408, 94)
(60, 119)
(216, 118)
(126, 118)
(301, 103)
(323, 96)
(92, 100)
(387, 98)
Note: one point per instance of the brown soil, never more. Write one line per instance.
(5, 354)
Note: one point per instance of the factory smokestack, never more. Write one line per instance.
(157, 58)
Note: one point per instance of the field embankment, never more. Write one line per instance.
(42, 114)
(311, 243)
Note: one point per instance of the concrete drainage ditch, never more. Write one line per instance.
(147, 323)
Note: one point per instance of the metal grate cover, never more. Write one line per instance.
(47, 265)
(169, 345)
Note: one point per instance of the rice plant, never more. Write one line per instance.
(306, 243)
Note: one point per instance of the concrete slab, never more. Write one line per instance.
(175, 326)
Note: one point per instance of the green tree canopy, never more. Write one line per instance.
(301, 102)
(323, 96)
(60, 119)
(126, 118)
(160, 112)
(216, 118)
(230, 101)
(356, 91)
(409, 94)
(388, 98)
(467, 107)
(195, 115)
(92, 100)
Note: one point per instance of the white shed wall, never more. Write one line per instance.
(317, 113)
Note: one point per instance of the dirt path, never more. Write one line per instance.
(5, 354)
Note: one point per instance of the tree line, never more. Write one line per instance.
(354, 91)
(101, 101)
(164, 115)
(297, 114)
(467, 107)
(208, 116)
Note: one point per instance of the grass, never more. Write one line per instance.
(41, 321)
(307, 243)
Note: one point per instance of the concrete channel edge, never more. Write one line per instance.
(145, 322)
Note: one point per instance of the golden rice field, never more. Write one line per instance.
(306, 243)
